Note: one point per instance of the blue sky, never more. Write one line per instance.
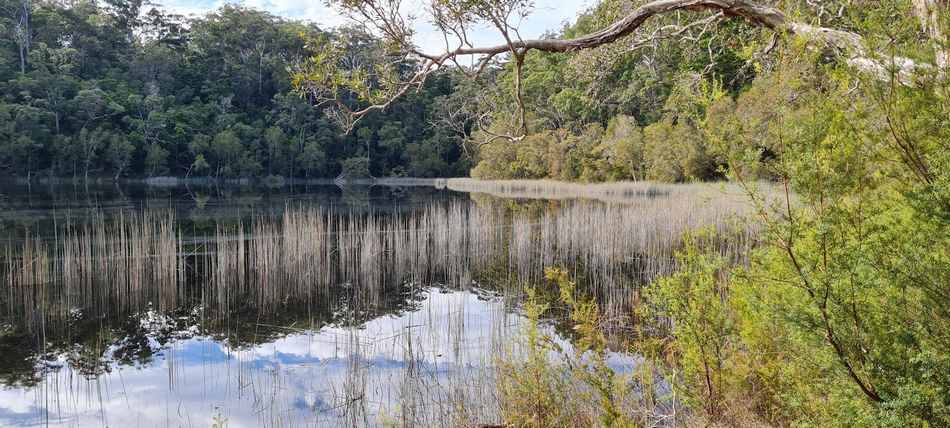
(548, 15)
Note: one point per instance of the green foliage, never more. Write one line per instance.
(664, 151)
(840, 319)
(356, 167)
(704, 332)
(862, 264)
(623, 149)
(551, 388)
(566, 94)
(533, 392)
(526, 159)
(676, 153)
(124, 89)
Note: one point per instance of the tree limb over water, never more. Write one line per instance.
(325, 77)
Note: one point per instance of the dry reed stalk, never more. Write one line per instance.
(124, 265)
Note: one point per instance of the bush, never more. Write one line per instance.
(355, 168)
(622, 147)
(550, 387)
(676, 152)
(525, 159)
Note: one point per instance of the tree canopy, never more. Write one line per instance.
(123, 89)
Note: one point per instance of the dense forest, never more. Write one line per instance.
(119, 88)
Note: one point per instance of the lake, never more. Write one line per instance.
(312, 305)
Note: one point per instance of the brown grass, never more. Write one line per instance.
(135, 260)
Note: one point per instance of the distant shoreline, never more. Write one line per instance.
(271, 181)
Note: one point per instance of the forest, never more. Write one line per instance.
(119, 88)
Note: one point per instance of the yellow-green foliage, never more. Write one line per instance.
(665, 151)
(526, 159)
(841, 317)
(622, 148)
(704, 344)
(857, 276)
(533, 392)
(675, 152)
(551, 388)
(590, 353)
(748, 130)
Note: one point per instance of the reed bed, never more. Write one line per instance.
(123, 266)
(140, 261)
(616, 192)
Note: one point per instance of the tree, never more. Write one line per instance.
(856, 254)
(624, 148)
(22, 33)
(128, 14)
(226, 150)
(355, 168)
(275, 140)
(171, 84)
(119, 155)
(156, 158)
(90, 142)
(325, 77)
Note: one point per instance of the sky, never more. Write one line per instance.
(549, 15)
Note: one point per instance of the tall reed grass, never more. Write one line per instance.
(140, 261)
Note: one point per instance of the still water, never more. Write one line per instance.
(312, 305)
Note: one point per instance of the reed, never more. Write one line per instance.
(350, 263)
(136, 262)
(615, 192)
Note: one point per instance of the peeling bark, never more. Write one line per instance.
(850, 45)
(928, 12)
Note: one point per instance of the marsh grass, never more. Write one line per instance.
(615, 192)
(139, 261)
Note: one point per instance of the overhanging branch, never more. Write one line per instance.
(849, 46)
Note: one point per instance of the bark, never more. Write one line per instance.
(24, 36)
(928, 12)
(850, 45)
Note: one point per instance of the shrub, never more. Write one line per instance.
(675, 152)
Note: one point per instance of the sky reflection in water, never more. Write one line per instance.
(422, 349)
(334, 376)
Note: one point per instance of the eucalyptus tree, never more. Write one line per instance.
(22, 33)
(327, 77)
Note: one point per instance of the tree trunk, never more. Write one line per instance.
(23, 39)
(928, 12)
(22, 60)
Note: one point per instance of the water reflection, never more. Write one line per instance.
(338, 307)
(439, 348)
